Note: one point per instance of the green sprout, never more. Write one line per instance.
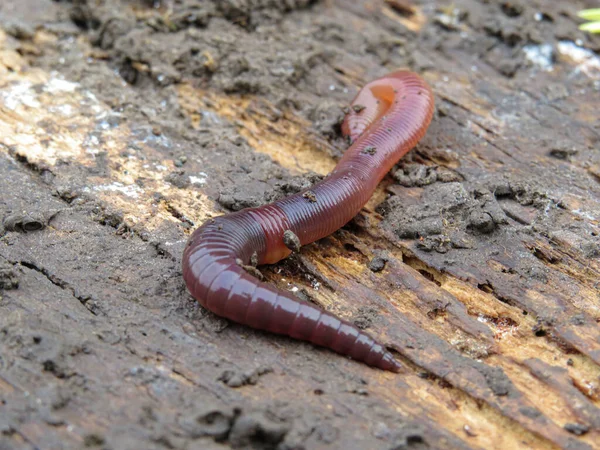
(593, 15)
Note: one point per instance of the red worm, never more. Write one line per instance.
(387, 118)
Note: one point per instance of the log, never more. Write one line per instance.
(124, 125)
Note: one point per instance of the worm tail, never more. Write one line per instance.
(214, 276)
(309, 323)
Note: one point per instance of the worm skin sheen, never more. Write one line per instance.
(386, 119)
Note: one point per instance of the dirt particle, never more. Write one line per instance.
(209, 420)
(411, 175)
(361, 391)
(254, 259)
(179, 162)
(563, 153)
(252, 270)
(408, 438)
(481, 221)
(496, 380)
(52, 419)
(8, 277)
(442, 243)
(365, 317)
(369, 150)
(512, 9)
(531, 412)
(402, 7)
(93, 440)
(450, 18)
(235, 379)
(310, 196)
(377, 264)
(291, 240)
(178, 178)
(51, 366)
(358, 108)
(257, 431)
(434, 313)
(412, 227)
(578, 429)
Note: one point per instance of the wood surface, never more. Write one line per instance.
(477, 261)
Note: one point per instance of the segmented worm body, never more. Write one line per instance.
(386, 119)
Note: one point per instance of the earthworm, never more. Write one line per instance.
(385, 120)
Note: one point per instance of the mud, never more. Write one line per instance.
(102, 347)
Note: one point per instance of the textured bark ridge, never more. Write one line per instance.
(124, 125)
